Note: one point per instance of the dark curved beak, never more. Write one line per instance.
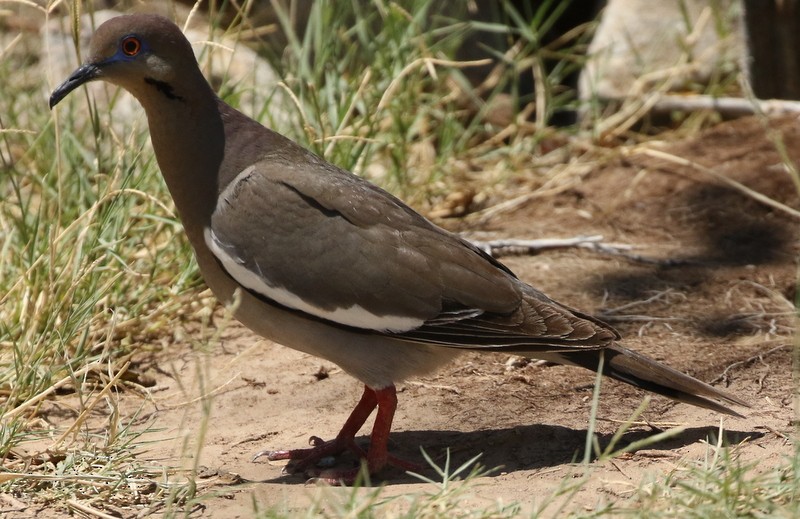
(83, 74)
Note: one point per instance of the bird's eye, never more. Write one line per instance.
(131, 46)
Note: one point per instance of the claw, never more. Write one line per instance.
(317, 462)
(261, 454)
(322, 454)
(273, 455)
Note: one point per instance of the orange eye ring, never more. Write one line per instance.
(130, 46)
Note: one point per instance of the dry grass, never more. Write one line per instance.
(94, 270)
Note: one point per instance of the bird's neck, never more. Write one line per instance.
(201, 144)
(189, 143)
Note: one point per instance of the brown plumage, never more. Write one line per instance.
(328, 264)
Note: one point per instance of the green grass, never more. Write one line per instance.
(94, 266)
(375, 89)
(718, 486)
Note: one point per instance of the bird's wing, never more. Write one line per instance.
(537, 325)
(338, 248)
(334, 246)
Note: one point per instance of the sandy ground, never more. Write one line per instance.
(721, 313)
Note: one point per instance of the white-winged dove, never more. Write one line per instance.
(326, 263)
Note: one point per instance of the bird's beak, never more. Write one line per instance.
(83, 74)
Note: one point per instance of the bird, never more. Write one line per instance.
(320, 260)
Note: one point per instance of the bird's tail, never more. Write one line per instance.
(636, 369)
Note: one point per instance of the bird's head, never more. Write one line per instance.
(141, 53)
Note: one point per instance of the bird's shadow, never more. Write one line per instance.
(526, 447)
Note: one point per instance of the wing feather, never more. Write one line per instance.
(325, 242)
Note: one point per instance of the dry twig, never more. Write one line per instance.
(757, 357)
(509, 247)
(727, 107)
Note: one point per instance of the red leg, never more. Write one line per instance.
(320, 448)
(378, 455)
(376, 458)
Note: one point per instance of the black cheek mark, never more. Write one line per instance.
(164, 88)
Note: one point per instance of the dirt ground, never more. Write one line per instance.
(721, 311)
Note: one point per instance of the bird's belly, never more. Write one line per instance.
(376, 360)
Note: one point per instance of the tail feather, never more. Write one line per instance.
(640, 371)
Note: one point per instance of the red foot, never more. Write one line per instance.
(307, 460)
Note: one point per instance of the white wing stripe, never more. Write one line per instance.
(354, 315)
